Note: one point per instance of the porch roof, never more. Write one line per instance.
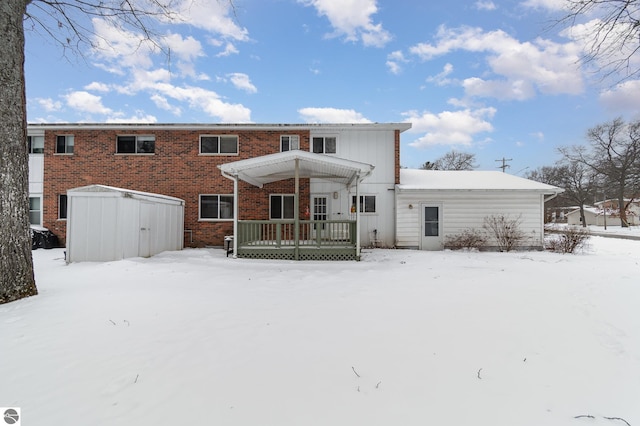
(274, 167)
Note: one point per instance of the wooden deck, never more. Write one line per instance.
(310, 240)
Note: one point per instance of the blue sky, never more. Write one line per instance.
(490, 77)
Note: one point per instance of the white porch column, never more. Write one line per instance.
(235, 216)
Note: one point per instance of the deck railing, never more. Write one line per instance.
(311, 233)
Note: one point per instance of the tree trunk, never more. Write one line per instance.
(623, 212)
(16, 264)
(583, 220)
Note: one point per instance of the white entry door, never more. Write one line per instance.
(319, 211)
(431, 227)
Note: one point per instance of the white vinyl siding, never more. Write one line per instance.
(467, 209)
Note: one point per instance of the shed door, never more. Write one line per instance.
(431, 227)
(144, 242)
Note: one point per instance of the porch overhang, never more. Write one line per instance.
(259, 171)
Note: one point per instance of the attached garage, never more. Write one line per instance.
(434, 204)
(105, 223)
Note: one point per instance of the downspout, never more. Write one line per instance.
(234, 178)
(296, 213)
(358, 216)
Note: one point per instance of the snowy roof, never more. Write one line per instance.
(274, 167)
(412, 179)
(98, 190)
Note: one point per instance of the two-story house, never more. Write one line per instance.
(312, 186)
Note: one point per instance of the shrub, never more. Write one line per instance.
(567, 240)
(505, 230)
(467, 239)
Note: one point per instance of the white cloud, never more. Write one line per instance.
(96, 86)
(86, 102)
(242, 81)
(553, 5)
(229, 49)
(623, 97)
(331, 115)
(139, 117)
(449, 127)
(49, 104)
(394, 61)
(352, 19)
(212, 16)
(549, 67)
(485, 5)
(163, 103)
(441, 78)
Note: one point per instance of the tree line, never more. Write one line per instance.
(606, 167)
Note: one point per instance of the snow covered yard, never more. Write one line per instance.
(400, 338)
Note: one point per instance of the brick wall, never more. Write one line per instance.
(175, 169)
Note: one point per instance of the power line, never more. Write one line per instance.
(504, 165)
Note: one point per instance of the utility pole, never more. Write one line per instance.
(504, 166)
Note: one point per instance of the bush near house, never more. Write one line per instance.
(567, 240)
(467, 239)
(505, 230)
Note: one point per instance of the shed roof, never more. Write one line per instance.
(274, 167)
(99, 190)
(412, 179)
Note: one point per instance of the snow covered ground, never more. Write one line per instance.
(401, 338)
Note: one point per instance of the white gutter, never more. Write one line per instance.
(234, 178)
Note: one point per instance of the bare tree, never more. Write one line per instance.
(614, 155)
(579, 181)
(452, 160)
(69, 24)
(612, 35)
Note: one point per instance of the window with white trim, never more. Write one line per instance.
(64, 144)
(216, 207)
(281, 206)
(35, 210)
(289, 142)
(219, 144)
(323, 144)
(35, 144)
(136, 144)
(367, 203)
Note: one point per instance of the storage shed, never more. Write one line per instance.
(105, 223)
(434, 204)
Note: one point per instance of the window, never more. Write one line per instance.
(35, 144)
(289, 142)
(324, 145)
(34, 210)
(367, 203)
(225, 144)
(281, 207)
(431, 222)
(62, 206)
(64, 144)
(136, 144)
(216, 207)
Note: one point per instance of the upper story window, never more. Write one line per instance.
(64, 144)
(219, 144)
(289, 142)
(324, 145)
(35, 144)
(136, 144)
(281, 206)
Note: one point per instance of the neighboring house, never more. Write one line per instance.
(185, 161)
(599, 217)
(431, 205)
